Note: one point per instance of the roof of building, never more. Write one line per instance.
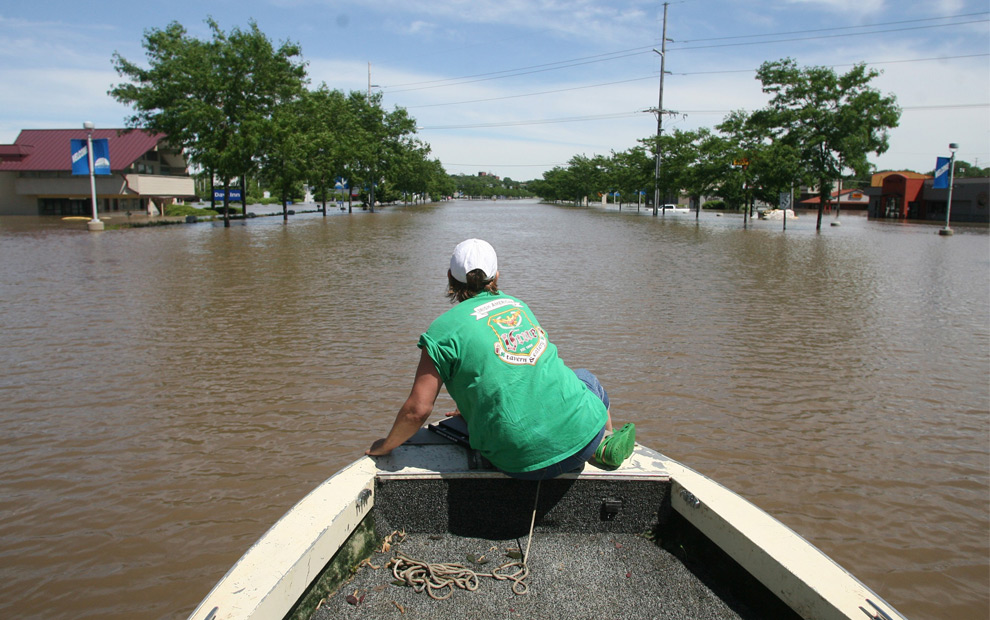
(850, 195)
(49, 149)
(877, 179)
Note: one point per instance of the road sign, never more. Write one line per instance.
(785, 200)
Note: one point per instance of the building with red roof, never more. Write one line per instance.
(36, 173)
(846, 199)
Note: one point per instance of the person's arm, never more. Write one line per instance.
(416, 409)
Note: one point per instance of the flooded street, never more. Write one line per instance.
(167, 393)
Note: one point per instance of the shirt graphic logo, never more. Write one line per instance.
(482, 311)
(518, 340)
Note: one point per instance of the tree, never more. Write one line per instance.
(678, 152)
(284, 143)
(212, 98)
(331, 136)
(400, 156)
(832, 121)
(586, 176)
(712, 171)
(439, 183)
(632, 170)
(771, 166)
(555, 185)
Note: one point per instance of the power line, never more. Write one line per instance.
(516, 72)
(626, 53)
(895, 23)
(653, 77)
(542, 92)
(504, 165)
(542, 121)
(849, 64)
(573, 119)
(827, 36)
(907, 108)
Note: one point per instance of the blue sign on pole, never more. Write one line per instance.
(235, 195)
(101, 157)
(941, 173)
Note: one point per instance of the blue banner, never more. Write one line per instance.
(235, 194)
(942, 165)
(101, 157)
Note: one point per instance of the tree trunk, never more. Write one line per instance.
(244, 194)
(822, 190)
(226, 203)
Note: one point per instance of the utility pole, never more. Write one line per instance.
(371, 198)
(663, 58)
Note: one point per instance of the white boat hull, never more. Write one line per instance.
(277, 571)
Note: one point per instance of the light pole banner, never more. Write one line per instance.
(101, 157)
(941, 173)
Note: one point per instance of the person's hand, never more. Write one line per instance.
(376, 448)
(451, 414)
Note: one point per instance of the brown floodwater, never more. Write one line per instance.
(167, 393)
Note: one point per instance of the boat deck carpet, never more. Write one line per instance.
(601, 576)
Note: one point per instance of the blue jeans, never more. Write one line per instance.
(577, 460)
(593, 384)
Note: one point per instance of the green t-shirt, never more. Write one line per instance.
(524, 408)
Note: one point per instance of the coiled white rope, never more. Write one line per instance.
(434, 578)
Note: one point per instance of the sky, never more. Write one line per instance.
(517, 87)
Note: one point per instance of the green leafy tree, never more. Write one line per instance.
(284, 142)
(587, 176)
(712, 171)
(832, 121)
(555, 185)
(439, 184)
(213, 97)
(771, 167)
(330, 137)
(632, 171)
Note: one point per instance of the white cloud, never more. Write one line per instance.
(421, 27)
(581, 18)
(846, 7)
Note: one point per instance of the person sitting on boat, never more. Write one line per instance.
(526, 411)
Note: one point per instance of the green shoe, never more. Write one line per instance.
(616, 448)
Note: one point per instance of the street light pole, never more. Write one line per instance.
(948, 205)
(95, 223)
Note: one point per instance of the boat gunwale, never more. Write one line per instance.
(305, 541)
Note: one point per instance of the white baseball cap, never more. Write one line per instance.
(470, 255)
